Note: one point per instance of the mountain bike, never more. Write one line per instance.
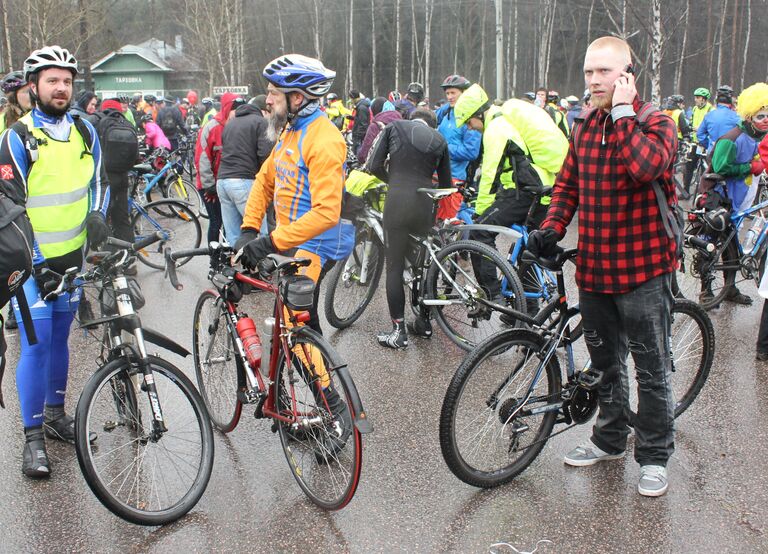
(508, 394)
(304, 387)
(688, 152)
(153, 456)
(714, 256)
(160, 173)
(438, 278)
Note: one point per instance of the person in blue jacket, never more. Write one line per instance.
(463, 142)
(719, 121)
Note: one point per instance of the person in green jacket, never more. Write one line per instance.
(125, 108)
(522, 147)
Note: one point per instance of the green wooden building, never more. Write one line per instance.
(152, 67)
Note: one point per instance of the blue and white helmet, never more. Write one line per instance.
(297, 73)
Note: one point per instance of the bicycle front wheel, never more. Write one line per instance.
(692, 350)
(352, 284)
(319, 438)
(457, 292)
(143, 476)
(216, 366)
(178, 224)
(180, 189)
(499, 409)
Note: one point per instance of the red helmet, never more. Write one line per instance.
(192, 97)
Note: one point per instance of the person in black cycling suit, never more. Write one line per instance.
(416, 150)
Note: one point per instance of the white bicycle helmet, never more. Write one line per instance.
(297, 73)
(49, 56)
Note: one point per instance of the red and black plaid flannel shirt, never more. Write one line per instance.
(622, 240)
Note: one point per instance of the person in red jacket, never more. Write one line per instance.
(207, 158)
(761, 352)
(625, 261)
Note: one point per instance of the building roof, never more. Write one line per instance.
(159, 53)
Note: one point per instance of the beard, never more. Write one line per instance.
(53, 111)
(275, 124)
(602, 102)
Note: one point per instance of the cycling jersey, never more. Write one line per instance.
(304, 175)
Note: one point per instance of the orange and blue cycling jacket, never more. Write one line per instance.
(304, 176)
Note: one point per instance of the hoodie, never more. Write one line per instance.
(245, 145)
(381, 120)
(209, 145)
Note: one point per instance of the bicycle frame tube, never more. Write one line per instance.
(152, 180)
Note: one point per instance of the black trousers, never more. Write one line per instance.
(117, 212)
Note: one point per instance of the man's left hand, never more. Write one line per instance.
(96, 228)
(256, 250)
(624, 91)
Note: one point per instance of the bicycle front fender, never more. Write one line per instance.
(362, 422)
(157, 338)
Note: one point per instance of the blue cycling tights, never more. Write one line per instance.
(41, 375)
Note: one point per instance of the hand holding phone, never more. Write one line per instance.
(624, 90)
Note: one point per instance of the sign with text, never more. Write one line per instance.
(233, 89)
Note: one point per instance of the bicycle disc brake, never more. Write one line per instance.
(583, 405)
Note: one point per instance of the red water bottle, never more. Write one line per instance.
(246, 329)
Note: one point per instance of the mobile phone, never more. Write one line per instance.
(630, 69)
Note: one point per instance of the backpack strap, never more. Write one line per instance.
(30, 143)
(578, 122)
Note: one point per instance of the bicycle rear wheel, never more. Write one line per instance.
(140, 477)
(181, 189)
(352, 284)
(322, 444)
(692, 350)
(452, 282)
(499, 409)
(179, 225)
(216, 363)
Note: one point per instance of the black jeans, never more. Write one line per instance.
(214, 219)
(762, 333)
(117, 212)
(638, 323)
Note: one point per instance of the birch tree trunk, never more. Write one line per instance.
(589, 21)
(397, 45)
(679, 71)
(280, 27)
(373, 49)
(318, 51)
(430, 7)
(656, 43)
(7, 37)
(746, 43)
(720, 45)
(482, 42)
(351, 65)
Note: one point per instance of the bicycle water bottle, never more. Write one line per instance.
(753, 233)
(246, 330)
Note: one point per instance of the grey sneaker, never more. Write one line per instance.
(588, 454)
(653, 481)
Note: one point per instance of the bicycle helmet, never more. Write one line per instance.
(394, 96)
(530, 96)
(717, 219)
(472, 103)
(207, 101)
(297, 73)
(752, 100)
(553, 96)
(123, 98)
(677, 99)
(703, 92)
(332, 97)
(725, 94)
(149, 98)
(13, 81)
(456, 81)
(146, 117)
(416, 91)
(47, 57)
(136, 98)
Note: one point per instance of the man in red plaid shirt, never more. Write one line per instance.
(625, 262)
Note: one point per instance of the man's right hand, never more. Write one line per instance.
(542, 243)
(45, 279)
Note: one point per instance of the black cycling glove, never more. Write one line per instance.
(97, 229)
(46, 280)
(542, 243)
(256, 250)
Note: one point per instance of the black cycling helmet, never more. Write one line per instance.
(677, 99)
(456, 81)
(149, 98)
(553, 96)
(530, 96)
(725, 94)
(123, 98)
(416, 91)
(13, 81)
(146, 117)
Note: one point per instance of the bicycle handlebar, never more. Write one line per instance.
(697, 242)
(554, 263)
(170, 262)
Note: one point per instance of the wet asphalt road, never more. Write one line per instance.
(408, 501)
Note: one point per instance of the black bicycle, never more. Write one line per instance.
(153, 456)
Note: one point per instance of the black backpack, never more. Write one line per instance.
(167, 121)
(119, 141)
(16, 239)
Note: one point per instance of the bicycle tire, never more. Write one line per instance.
(722, 275)
(492, 368)
(216, 362)
(139, 504)
(692, 351)
(186, 193)
(345, 297)
(470, 323)
(549, 318)
(176, 221)
(325, 465)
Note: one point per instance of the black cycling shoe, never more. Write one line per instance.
(10, 321)
(35, 462)
(338, 429)
(62, 429)
(737, 297)
(397, 338)
(421, 328)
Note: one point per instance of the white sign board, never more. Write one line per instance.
(233, 89)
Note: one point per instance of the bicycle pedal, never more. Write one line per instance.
(250, 396)
(589, 380)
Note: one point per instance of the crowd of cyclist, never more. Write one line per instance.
(284, 154)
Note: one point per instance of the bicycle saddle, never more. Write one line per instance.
(278, 262)
(554, 263)
(142, 168)
(538, 190)
(714, 177)
(437, 194)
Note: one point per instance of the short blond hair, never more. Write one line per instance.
(619, 46)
